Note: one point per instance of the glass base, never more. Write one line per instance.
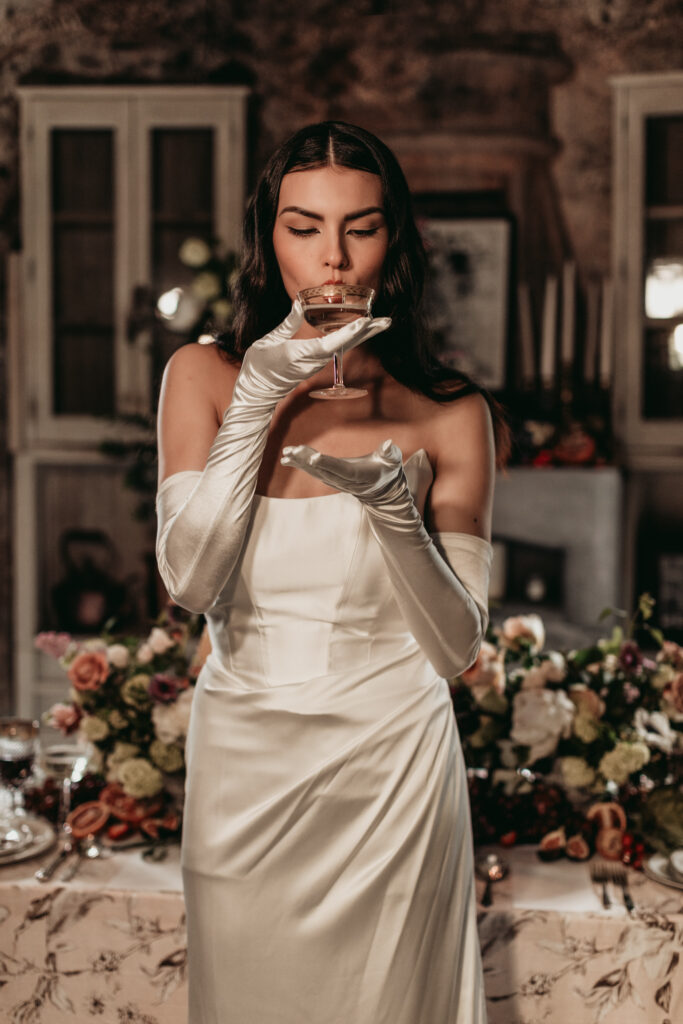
(338, 391)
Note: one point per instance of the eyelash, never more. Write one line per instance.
(307, 232)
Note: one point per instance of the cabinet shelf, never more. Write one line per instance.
(674, 212)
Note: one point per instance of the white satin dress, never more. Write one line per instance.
(327, 852)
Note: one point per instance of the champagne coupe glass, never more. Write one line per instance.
(18, 749)
(328, 307)
(67, 763)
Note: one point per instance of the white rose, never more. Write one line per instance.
(160, 641)
(555, 667)
(539, 718)
(145, 653)
(523, 627)
(118, 655)
(655, 729)
(96, 644)
(171, 721)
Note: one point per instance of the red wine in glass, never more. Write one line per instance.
(18, 747)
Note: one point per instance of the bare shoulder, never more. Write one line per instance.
(197, 362)
(195, 391)
(463, 426)
(200, 370)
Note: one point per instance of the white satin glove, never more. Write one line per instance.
(203, 516)
(440, 583)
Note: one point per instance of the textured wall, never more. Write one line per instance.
(375, 61)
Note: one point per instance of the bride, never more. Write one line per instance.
(340, 552)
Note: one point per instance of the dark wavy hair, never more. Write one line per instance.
(261, 301)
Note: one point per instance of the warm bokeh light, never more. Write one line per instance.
(664, 289)
(676, 348)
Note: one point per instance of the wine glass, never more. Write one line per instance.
(67, 763)
(18, 749)
(328, 307)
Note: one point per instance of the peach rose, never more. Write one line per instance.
(671, 653)
(89, 670)
(523, 627)
(586, 700)
(673, 692)
(487, 672)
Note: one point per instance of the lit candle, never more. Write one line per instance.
(568, 302)
(591, 347)
(606, 332)
(526, 334)
(548, 332)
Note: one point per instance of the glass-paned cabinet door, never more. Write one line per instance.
(114, 180)
(648, 261)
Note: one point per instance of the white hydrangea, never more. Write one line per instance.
(616, 765)
(576, 772)
(93, 728)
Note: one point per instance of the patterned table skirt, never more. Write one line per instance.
(112, 957)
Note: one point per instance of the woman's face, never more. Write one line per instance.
(330, 227)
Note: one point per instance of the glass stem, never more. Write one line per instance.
(338, 370)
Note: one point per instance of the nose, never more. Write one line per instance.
(336, 255)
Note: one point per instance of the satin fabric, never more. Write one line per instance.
(327, 852)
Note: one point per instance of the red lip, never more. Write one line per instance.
(332, 282)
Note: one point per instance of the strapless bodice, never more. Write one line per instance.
(311, 596)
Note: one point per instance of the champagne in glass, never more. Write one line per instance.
(329, 307)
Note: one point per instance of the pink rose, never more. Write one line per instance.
(65, 717)
(487, 671)
(54, 644)
(89, 670)
(586, 700)
(673, 692)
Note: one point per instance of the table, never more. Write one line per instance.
(110, 946)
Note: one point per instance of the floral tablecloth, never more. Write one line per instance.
(110, 946)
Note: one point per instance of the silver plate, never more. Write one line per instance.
(657, 868)
(43, 838)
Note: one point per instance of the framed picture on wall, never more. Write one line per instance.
(467, 294)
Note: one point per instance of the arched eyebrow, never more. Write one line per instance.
(317, 216)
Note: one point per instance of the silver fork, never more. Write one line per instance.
(618, 877)
(600, 876)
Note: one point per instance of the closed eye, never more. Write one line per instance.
(301, 232)
(364, 232)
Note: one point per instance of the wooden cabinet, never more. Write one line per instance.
(114, 179)
(648, 268)
(648, 283)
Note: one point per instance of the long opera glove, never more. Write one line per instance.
(203, 516)
(440, 583)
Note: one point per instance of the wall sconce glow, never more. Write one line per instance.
(179, 309)
(676, 348)
(664, 289)
(167, 304)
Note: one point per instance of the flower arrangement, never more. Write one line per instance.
(604, 723)
(130, 699)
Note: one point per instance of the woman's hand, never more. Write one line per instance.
(275, 364)
(371, 478)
